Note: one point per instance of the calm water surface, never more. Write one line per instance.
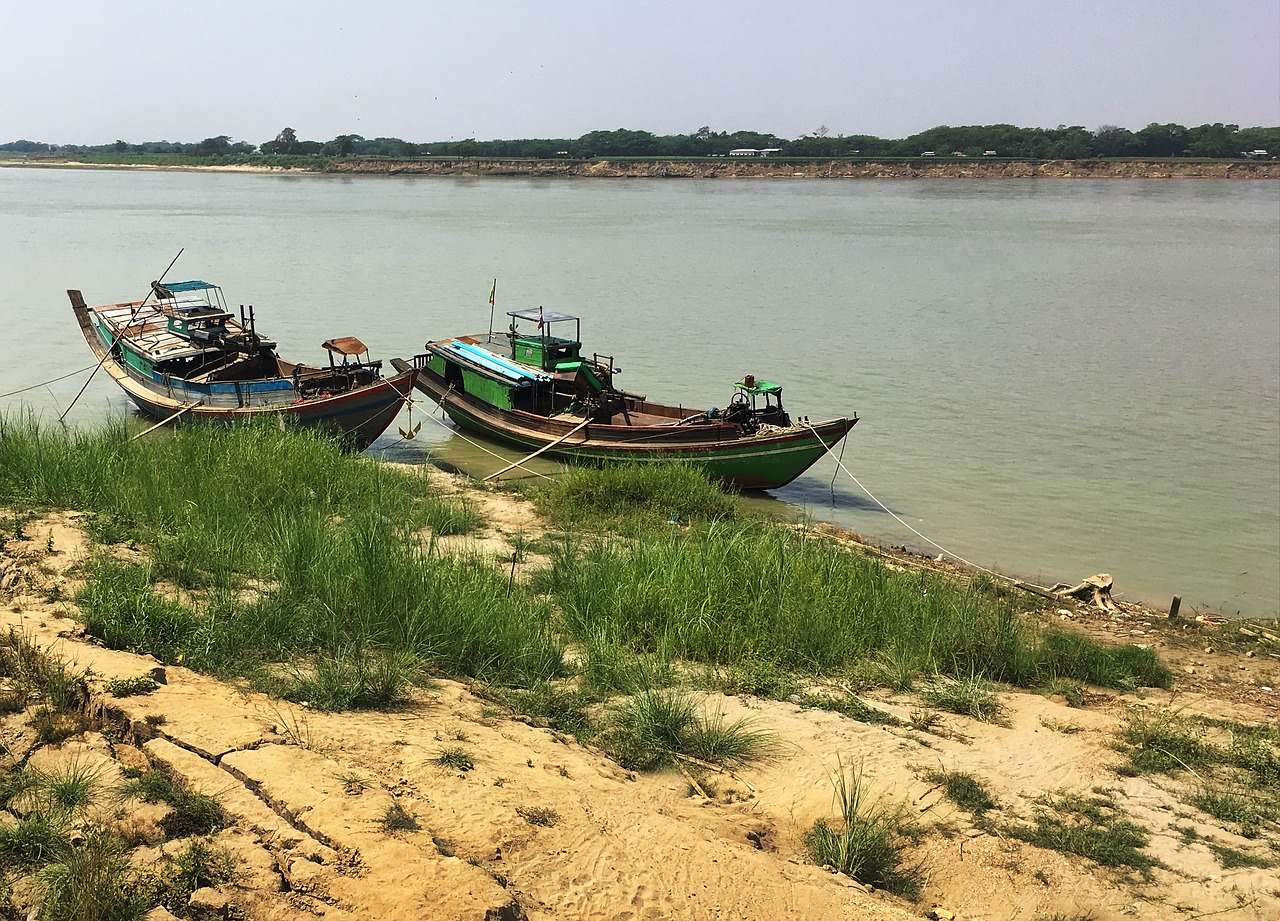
(1054, 378)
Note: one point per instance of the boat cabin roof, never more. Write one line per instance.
(537, 313)
(759, 387)
(195, 285)
(346, 345)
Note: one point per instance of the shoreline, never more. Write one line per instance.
(722, 169)
(319, 803)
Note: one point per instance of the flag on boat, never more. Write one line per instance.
(493, 291)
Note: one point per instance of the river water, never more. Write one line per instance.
(1055, 378)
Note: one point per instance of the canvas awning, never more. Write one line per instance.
(346, 345)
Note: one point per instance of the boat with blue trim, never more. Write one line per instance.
(535, 390)
(180, 352)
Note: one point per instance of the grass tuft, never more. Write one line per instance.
(549, 704)
(965, 790)
(34, 839)
(131, 687)
(971, 696)
(354, 679)
(91, 882)
(538, 815)
(192, 813)
(1236, 805)
(1092, 827)
(610, 668)
(869, 839)
(654, 728)
(34, 675)
(455, 758)
(1164, 742)
(397, 819)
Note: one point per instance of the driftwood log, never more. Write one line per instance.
(1095, 590)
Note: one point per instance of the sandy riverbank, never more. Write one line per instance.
(734, 169)
(308, 791)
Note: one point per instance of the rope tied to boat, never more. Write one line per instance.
(890, 512)
(474, 444)
(14, 393)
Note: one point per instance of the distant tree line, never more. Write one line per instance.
(1062, 143)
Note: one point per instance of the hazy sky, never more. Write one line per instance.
(91, 72)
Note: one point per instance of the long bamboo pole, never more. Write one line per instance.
(573, 431)
(162, 422)
(107, 354)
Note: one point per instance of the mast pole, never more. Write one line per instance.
(107, 353)
(492, 292)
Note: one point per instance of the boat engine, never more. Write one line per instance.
(739, 412)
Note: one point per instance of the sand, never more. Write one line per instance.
(544, 827)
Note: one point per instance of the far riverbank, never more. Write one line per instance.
(741, 168)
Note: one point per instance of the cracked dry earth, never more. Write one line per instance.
(543, 827)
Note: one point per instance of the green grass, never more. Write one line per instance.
(192, 813)
(91, 882)
(965, 790)
(66, 790)
(72, 858)
(313, 555)
(397, 819)
(33, 840)
(725, 592)
(869, 839)
(609, 667)
(851, 707)
(755, 676)
(131, 687)
(969, 696)
(1164, 742)
(455, 758)
(35, 676)
(549, 704)
(630, 496)
(317, 560)
(1233, 858)
(1093, 827)
(1235, 768)
(198, 865)
(1248, 811)
(654, 728)
(1072, 692)
(354, 679)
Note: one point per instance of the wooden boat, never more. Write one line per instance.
(180, 353)
(536, 391)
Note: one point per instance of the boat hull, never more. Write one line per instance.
(760, 461)
(357, 417)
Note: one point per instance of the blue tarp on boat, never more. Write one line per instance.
(492, 363)
(177, 286)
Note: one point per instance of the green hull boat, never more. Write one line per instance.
(536, 392)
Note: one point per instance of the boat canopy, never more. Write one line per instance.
(755, 386)
(346, 345)
(177, 286)
(537, 314)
